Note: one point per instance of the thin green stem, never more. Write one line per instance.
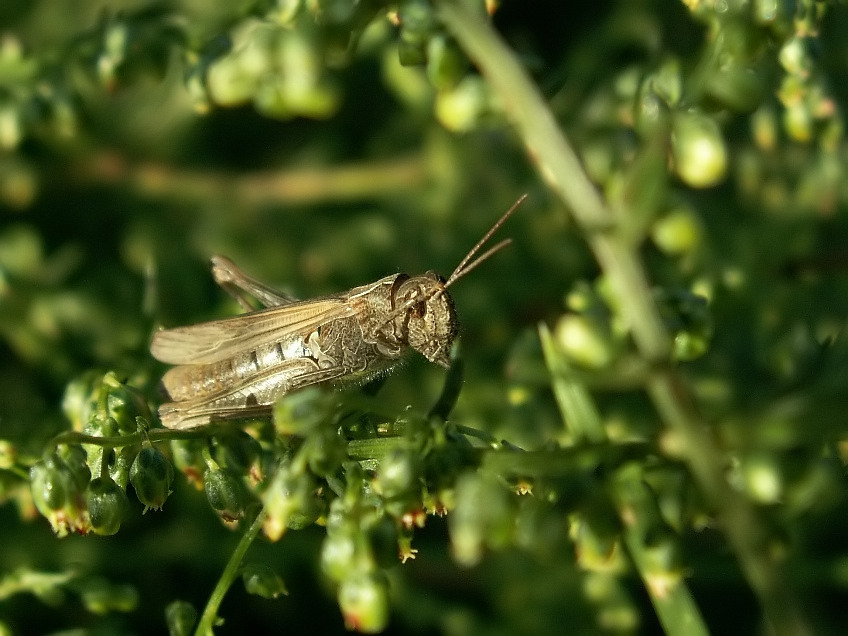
(207, 621)
(559, 165)
(119, 441)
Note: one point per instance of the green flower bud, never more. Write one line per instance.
(80, 400)
(688, 317)
(226, 493)
(50, 483)
(798, 121)
(678, 232)
(417, 23)
(19, 182)
(339, 554)
(384, 542)
(737, 87)
(119, 469)
(301, 412)
(775, 13)
(700, 156)
(290, 501)
(586, 340)
(662, 552)
(8, 454)
(74, 457)
(124, 403)
(101, 597)
(446, 64)
(188, 458)
(482, 517)
(107, 504)
(237, 451)
(229, 83)
(399, 474)
(261, 580)
(59, 495)
(762, 477)
(181, 618)
(795, 56)
(460, 108)
(326, 450)
(151, 475)
(596, 542)
(12, 128)
(364, 602)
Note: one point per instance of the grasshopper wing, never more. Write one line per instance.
(213, 341)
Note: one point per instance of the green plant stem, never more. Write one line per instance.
(561, 168)
(210, 612)
(664, 582)
(119, 441)
(308, 185)
(670, 596)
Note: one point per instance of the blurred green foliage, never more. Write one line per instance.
(323, 144)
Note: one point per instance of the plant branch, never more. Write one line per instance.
(296, 186)
(210, 612)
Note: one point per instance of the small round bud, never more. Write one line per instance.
(124, 403)
(58, 495)
(101, 597)
(74, 458)
(151, 475)
(399, 475)
(586, 341)
(364, 602)
(50, 483)
(700, 156)
(107, 505)
(460, 108)
(181, 618)
(261, 580)
(446, 64)
(290, 502)
(226, 493)
(678, 232)
(482, 518)
(338, 555)
(188, 458)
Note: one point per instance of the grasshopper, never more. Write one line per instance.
(238, 367)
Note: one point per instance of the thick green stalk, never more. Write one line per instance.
(559, 165)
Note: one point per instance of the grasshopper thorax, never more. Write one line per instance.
(426, 316)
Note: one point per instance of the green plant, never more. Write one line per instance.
(644, 425)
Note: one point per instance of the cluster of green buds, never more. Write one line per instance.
(58, 483)
(278, 68)
(28, 106)
(350, 558)
(80, 485)
(593, 334)
(131, 44)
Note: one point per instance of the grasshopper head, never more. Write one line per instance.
(429, 318)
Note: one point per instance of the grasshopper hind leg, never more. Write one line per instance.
(241, 286)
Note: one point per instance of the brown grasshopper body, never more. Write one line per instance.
(238, 367)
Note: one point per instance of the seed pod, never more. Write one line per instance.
(108, 505)
(261, 580)
(364, 602)
(151, 475)
(700, 156)
(226, 493)
(181, 618)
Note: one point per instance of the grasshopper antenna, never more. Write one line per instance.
(466, 264)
